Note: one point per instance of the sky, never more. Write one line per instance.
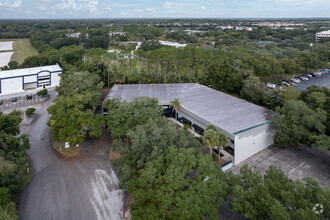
(60, 9)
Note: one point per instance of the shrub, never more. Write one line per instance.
(42, 92)
(29, 112)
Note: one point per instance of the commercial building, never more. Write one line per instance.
(322, 35)
(247, 125)
(19, 80)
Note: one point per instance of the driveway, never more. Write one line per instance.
(84, 187)
(296, 163)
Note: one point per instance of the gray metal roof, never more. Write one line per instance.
(226, 112)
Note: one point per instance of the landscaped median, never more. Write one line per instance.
(68, 152)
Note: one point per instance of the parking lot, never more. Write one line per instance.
(323, 80)
(20, 102)
(296, 163)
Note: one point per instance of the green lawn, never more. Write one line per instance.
(22, 49)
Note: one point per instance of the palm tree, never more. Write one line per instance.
(175, 104)
(210, 139)
(223, 141)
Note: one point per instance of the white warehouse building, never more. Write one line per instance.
(248, 126)
(19, 80)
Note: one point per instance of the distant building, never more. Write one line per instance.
(116, 33)
(194, 31)
(322, 35)
(225, 27)
(172, 44)
(75, 35)
(19, 80)
(247, 126)
(242, 28)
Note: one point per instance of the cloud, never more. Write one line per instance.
(151, 10)
(168, 4)
(203, 7)
(67, 5)
(11, 4)
(29, 11)
(221, 2)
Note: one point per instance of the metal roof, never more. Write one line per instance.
(29, 71)
(229, 113)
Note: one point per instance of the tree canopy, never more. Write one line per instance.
(72, 114)
(275, 196)
(178, 185)
(123, 116)
(13, 162)
(297, 124)
(148, 141)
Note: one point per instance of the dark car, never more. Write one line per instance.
(14, 99)
(1, 101)
(29, 96)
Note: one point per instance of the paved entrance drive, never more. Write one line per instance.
(295, 163)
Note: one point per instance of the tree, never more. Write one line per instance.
(148, 141)
(224, 77)
(124, 116)
(253, 90)
(223, 141)
(289, 93)
(175, 103)
(178, 185)
(13, 160)
(211, 138)
(42, 92)
(150, 45)
(30, 111)
(71, 121)
(275, 196)
(82, 83)
(297, 124)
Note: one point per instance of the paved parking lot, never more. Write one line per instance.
(21, 102)
(296, 163)
(323, 80)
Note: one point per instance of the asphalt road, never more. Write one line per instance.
(81, 188)
(323, 80)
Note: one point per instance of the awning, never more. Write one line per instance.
(168, 111)
(184, 120)
(198, 128)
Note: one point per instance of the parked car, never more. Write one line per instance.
(286, 83)
(294, 80)
(317, 73)
(14, 99)
(271, 85)
(303, 78)
(309, 75)
(29, 96)
(1, 101)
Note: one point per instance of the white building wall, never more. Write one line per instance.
(11, 85)
(56, 78)
(252, 141)
(29, 79)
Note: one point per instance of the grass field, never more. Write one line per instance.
(22, 49)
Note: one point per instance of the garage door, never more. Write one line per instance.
(11, 85)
